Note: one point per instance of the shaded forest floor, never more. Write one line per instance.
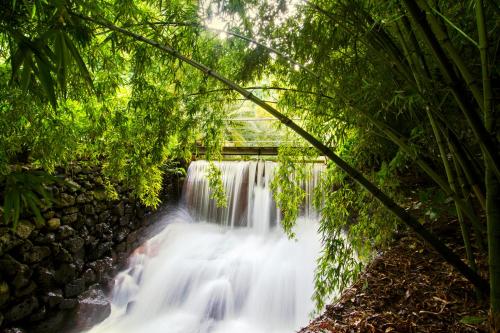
(409, 288)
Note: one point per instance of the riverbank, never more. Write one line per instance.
(408, 288)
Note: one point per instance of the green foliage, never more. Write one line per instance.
(217, 192)
(25, 191)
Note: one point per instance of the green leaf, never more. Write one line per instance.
(81, 64)
(472, 320)
(46, 79)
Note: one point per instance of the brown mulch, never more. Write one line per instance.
(409, 288)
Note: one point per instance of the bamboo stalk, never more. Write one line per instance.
(453, 187)
(492, 183)
(484, 139)
(397, 210)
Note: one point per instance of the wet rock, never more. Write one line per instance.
(14, 330)
(68, 219)
(68, 303)
(93, 307)
(4, 293)
(45, 277)
(65, 273)
(119, 209)
(22, 277)
(103, 249)
(105, 216)
(102, 267)
(72, 185)
(99, 195)
(63, 256)
(28, 290)
(49, 214)
(54, 223)
(89, 209)
(71, 210)
(24, 229)
(66, 231)
(36, 254)
(8, 241)
(9, 266)
(66, 200)
(81, 198)
(74, 288)
(74, 244)
(89, 276)
(53, 298)
(21, 310)
(38, 314)
(53, 323)
(121, 234)
(45, 239)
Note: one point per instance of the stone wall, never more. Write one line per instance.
(49, 273)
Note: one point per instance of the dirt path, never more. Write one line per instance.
(407, 289)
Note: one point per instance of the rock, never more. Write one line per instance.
(9, 266)
(53, 323)
(65, 273)
(103, 249)
(132, 237)
(21, 310)
(99, 195)
(49, 214)
(45, 238)
(66, 231)
(74, 288)
(8, 241)
(22, 278)
(4, 293)
(102, 267)
(26, 291)
(93, 307)
(24, 229)
(119, 209)
(14, 330)
(71, 210)
(81, 198)
(53, 298)
(72, 185)
(68, 219)
(102, 228)
(64, 256)
(105, 216)
(74, 244)
(38, 314)
(121, 234)
(1, 319)
(45, 277)
(89, 209)
(124, 220)
(54, 223)
(89, 276)
(68, 303)
(37, 254)
(66, 200)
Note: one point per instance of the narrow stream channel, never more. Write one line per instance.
(221, 270)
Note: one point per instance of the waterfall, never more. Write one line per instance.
(221, 270)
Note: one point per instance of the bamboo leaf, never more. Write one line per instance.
(81, 64)
(454, 26)
(27, 69)
(46, 80)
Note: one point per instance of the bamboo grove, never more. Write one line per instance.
(386, 90)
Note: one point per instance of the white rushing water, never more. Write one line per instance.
(221, 270)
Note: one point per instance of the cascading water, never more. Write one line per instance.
(221, 269)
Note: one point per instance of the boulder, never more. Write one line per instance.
(37, 254)
(45, 277)
(66, 200)
(54, 223)
(93, 307)
(74, 244)
(24, 229)
(68, 219)
(74, 288)
(65, 273)
(53, 298)
(21, 310)
(66, 231)
(68, 303)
